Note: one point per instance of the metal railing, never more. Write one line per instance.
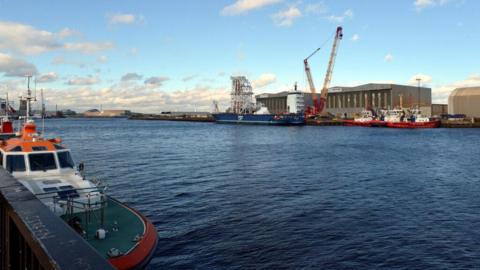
(33, 237)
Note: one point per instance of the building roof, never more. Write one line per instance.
(466, 91)
(339, 89)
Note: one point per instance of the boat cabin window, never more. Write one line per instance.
(68, 193)
(50, 189)
(39, 148)
(51, 182)
(65, 160)
(42, 162)
(15, 163)
(16, 149)
(58, 147)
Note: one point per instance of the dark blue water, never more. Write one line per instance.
(258, 197)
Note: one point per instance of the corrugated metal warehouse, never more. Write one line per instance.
(352, 100)
(465, 101)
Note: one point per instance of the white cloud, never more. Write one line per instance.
(286, 17)
(102, 59)
(388, 58)
(90, 80)
(123, 18)
(47, 77)
(424, 79)
(348, 14)
(421, 4)
(89, 47)
(133, 51)
(355, 37)
(25, 39)
(156, 81)
(138, 98)
(61, 60)
(131, 77)
(67, 32)
(243, 6)
(317, 8)
(264, 80)
(189, 78)
(14, 67)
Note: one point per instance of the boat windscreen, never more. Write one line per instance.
(15, 163)
(65, 160)
(42, 162)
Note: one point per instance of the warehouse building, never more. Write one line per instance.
(465, 101)
(352, 100)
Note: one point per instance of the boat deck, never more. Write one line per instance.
(129, 226)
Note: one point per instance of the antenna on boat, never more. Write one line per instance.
(7, 106)
(43, 112)
(28, 98)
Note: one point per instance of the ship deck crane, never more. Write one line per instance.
(319, 104)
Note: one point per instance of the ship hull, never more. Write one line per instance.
(430, 124)
(372, 123)
(260, 119)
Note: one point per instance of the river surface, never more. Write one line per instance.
(259, 197)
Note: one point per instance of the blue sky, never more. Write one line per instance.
(178, 55)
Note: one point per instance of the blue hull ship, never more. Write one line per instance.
(261, 119)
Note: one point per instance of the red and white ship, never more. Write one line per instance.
(397, 119)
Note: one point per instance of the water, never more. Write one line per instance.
(258, 197)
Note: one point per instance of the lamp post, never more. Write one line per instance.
(418, 94)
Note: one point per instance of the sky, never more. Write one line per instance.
(153, 56)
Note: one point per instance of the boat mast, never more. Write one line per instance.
(43, 112)
(28, 98)
(7, 106)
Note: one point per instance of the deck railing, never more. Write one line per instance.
(33, 237)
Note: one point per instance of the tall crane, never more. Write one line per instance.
(319, 104)
(313, 91)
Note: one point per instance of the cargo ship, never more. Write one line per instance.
(244, 111)
(262, 119)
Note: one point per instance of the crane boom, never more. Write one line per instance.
(309, 77)
(328, 75)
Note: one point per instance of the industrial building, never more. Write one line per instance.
(352, 100)
(465, 101)
(439, 110)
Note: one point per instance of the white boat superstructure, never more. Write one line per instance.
(366, 116)
(53, 178)
(394, 116)
(417, 116)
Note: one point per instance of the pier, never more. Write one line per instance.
(33, 237)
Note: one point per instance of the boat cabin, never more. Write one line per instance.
(32, 157)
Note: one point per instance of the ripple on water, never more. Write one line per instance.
(256, 197)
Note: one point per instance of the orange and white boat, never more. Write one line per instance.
(45, 167)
